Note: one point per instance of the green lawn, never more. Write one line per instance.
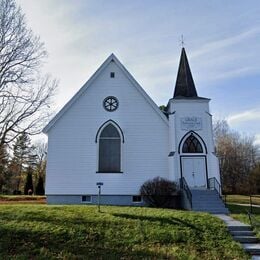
(80, 232)
(242, 199)
(240, 213)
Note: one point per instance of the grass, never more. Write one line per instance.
(240, 213)
(243, 199)
(240, 209)
(80, 232)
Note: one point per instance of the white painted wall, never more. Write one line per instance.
(180, 108)
(72, 151)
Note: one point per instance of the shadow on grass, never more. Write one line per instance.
(28, 244)
(240, 209)
(161, 220)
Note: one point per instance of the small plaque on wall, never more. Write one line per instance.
(191, 123)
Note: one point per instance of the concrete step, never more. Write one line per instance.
(202, 190)
(215, 196)
(242, 233)
(253, 249)
(208, 205)
(213, 211)
(240, 228)
(246, 239)
(214, 199)
(208, 201)
(210, 209)
(204, 193)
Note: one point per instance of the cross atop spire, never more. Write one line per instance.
(182, 41)
(184, 86)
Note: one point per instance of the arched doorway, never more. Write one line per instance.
(193, 161)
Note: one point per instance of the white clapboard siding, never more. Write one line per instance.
(72, 150)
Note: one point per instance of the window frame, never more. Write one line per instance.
(183, 139)
(191, 138)
(135, 196)
(86, 201)
(98, 146)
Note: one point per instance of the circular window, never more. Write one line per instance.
(110, 103)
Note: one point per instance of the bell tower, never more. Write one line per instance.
(191, 146)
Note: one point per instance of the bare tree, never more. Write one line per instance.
(237, 156)
(40, 151)
(25, 94)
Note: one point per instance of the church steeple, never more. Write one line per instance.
(184, 86)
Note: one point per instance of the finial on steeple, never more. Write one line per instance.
(182, 41)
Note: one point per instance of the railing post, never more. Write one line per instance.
(251, 208)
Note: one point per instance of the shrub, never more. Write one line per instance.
(160, 192)
(40, 186)
(28, 188)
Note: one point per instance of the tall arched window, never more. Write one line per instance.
(192, 145)
(109, 150)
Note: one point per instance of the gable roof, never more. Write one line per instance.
(111, 58)
(184, 86)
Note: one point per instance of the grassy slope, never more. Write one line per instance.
(75, 232)
(240, 213)
(242, 199)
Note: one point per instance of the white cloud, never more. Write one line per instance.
(224, 43)
(248, 115)
(257, 139)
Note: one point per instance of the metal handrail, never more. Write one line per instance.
(253, 221)
(184, 186)
(214, 184)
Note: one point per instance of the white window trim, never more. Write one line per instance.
(121, 150)
(200, 140)
(137, 202)
(86, 202)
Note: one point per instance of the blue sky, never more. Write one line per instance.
(222, 41)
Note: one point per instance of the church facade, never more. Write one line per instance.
(111, 133)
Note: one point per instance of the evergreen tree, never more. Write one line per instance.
(40, 187)
(28, 188)
(3, 168)
(23, 157)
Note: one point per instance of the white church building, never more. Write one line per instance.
(112, 132)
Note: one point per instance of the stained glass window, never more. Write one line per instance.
(192, 145)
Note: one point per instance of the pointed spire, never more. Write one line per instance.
(184, 86)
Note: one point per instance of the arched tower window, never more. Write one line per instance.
(192, 145)
(109, 149)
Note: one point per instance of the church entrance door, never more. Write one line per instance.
(194, 171)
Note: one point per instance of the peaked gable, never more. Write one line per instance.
(111, 58)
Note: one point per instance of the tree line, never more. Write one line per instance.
(239, 159)
(25, 98)
(23, 171)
